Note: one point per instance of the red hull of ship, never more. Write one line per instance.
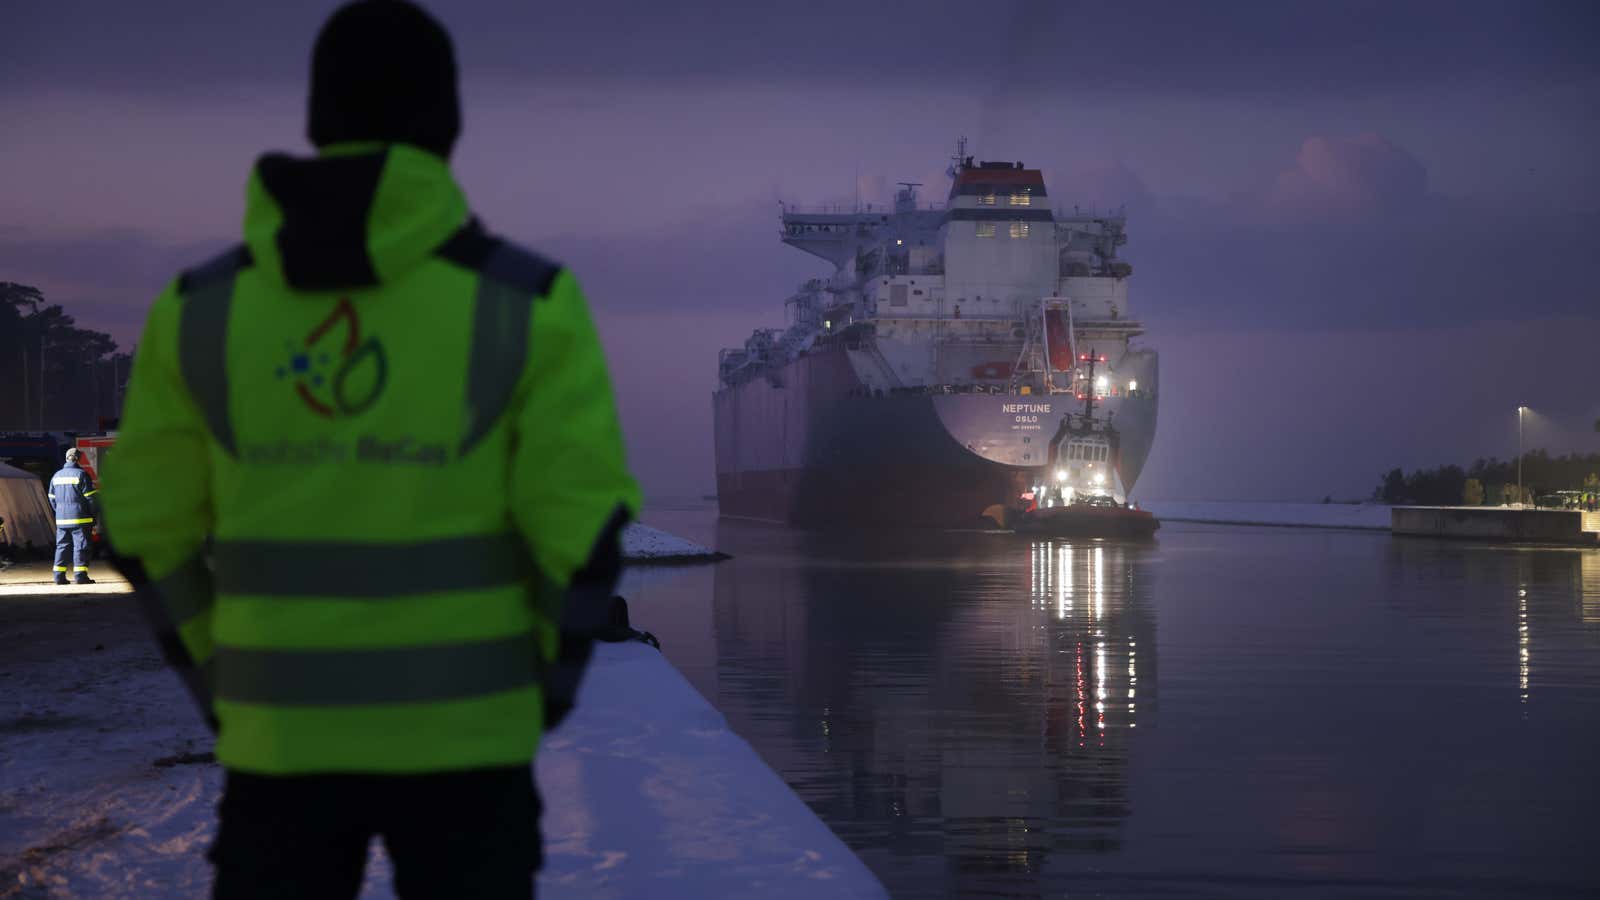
(809, 445)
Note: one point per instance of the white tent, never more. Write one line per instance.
(26, 510)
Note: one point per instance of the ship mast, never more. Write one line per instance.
(959, 161)
(1088, 393)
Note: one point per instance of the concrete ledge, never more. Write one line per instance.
(649, 794)
(107, 788)
(643, 545)
(1540, 526)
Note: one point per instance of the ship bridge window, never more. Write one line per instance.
(1019, 229)
(1024, 198)
(986, 229)
(1089, 452)
(986, 199)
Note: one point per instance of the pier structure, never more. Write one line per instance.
(1532, 526)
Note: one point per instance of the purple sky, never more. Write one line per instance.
(1362, 233)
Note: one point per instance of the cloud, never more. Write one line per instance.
(1252, 46)
(721, 259)
(1330, 179)
(1197, 270)
(1349, 179)
(1296, 415)
(1101, 188)
(105, 278)
(1345, 235)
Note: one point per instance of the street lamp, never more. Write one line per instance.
(1522, 500)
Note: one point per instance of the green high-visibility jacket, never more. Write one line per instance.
(362, 455)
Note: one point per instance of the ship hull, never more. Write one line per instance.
(808, 443)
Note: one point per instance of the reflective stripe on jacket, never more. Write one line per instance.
(72, 494)
(400, 433)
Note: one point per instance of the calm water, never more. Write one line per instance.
(1235, 712)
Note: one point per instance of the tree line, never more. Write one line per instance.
(54, 375)
(1491, 481)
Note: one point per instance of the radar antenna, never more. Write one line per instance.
(905, 199)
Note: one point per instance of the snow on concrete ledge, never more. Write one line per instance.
(649, 794)
(106, 788)
(643, 544)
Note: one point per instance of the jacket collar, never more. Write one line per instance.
(356, 216)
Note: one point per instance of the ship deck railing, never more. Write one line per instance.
(846, 209)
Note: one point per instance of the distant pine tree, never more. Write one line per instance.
(1446, 485)
(55, 374)
(1392, 490)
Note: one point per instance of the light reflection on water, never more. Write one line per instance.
(1225, 712)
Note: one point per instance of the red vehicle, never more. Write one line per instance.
(92, 450)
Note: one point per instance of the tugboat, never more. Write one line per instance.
(1077, 494)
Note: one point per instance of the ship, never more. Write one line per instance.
(942, 369)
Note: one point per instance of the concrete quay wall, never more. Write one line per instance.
(1544, 526)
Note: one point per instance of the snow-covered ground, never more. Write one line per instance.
(641, 543)
(107, 789)
(36, 578)
(1372, 516)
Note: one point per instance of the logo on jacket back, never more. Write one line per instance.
(335, 372)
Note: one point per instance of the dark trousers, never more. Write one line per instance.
(72, 540)
(471, 834)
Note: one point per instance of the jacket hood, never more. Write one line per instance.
(356, 216)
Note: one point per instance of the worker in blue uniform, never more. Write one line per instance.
(72, 493)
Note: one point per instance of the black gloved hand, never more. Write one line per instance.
(562, 679)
